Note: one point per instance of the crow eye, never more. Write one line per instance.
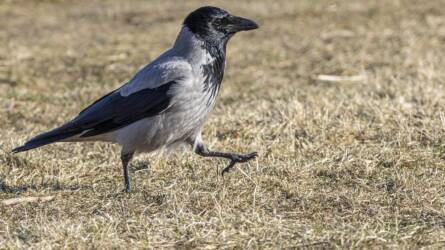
(221, 21)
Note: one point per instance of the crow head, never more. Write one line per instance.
(216, 25)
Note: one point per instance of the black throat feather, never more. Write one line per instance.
(214, 71)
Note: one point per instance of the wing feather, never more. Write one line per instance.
(117, 111)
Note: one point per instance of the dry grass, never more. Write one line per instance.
(348, 162)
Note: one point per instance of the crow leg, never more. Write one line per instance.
(126, 158)
(234, 158)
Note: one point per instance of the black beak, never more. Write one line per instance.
(237, 24)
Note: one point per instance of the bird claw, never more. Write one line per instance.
(238, 158)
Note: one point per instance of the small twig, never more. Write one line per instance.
(14, 201)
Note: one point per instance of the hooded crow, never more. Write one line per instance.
(167, 101)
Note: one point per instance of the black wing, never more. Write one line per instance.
(115, 111)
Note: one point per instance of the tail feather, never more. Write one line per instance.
(55, 135)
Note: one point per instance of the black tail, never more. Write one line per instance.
(55, 135)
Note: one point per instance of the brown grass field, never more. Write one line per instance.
(356, 160)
